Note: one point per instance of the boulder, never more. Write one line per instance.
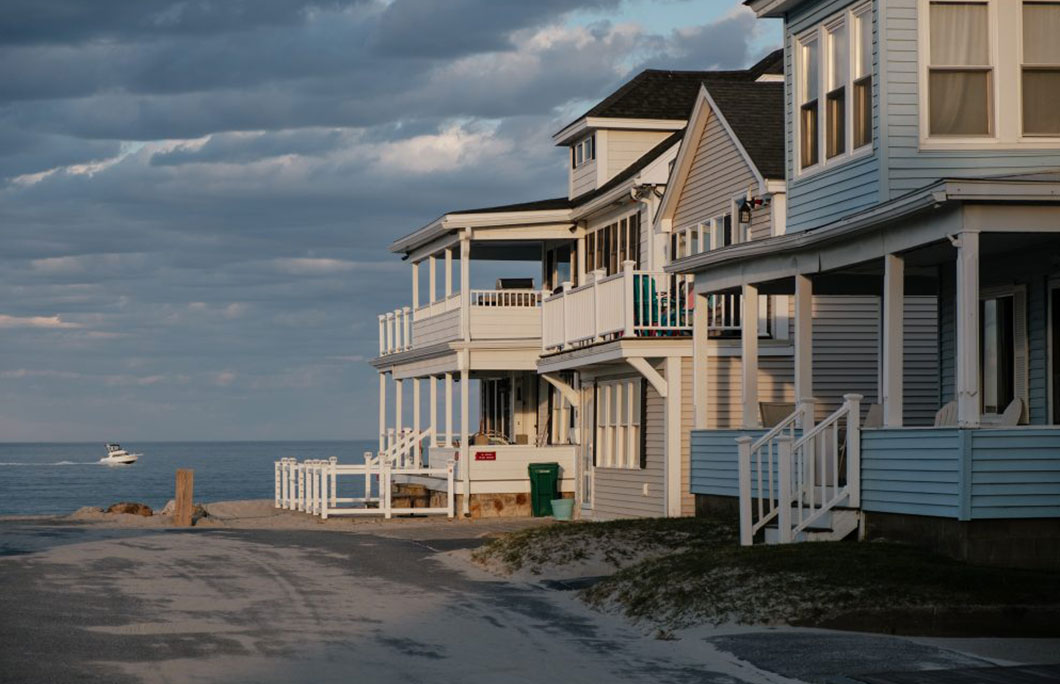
(131, 508)
(87, 513)
(169, 508)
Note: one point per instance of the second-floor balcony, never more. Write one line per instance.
(501, 314)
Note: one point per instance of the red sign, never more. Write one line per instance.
(485, 455)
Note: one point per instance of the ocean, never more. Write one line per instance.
(62, 477)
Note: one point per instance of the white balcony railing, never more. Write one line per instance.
(631, 303)
(488, 314)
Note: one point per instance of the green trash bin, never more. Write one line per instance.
(544, 486)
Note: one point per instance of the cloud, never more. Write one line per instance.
(47, 322)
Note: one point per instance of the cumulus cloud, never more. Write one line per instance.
(197, 197)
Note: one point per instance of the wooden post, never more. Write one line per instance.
(893, 340)
(749, 362)
(184, 496)
(743, 451)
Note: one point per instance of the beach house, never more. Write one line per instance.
(922, 148)
(582, 350)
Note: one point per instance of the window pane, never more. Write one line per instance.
(959, 34)
(959, 102)
(810, 67)
(863, 111)
(1041, 33)
(835, 143)
(808, 134)
(839, 57)
(1041, 101)
(863, 36)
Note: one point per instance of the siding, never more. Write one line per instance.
(1014, 474)
(717, 173)
(441, 328)
(619, 492)
(582, 179)
(715, 468)
(688, 419)
(776, 382)
(911, 471)
(846, 339)
(626, 147)
(1038, 350)
(947, 333)
(819, 198)
(910, 167)
(921, 379)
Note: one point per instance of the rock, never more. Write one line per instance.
(87, 513)
(132, 508)
(169, 508)
(198, 513)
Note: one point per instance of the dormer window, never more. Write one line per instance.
(583, 151)
(833, 86)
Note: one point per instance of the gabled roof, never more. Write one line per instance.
(670, 95)
(755, 113)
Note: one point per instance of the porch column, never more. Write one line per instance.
(432, 273)
(893, 339)
(465, 285)
(432, 385)
(382, 412)
(398, 406)
(673, 461)
(967, 369)
(465, 436)
(448, 409)
(700, 358)
(415, 285)
(804, 349)
(448, 272)
(749, 360)
(416, 405)
(580, 266)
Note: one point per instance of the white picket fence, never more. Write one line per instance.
(314, 486)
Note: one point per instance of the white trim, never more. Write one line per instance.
(641, 365)
(579, 127)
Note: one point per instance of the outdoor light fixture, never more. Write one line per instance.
(745, 211)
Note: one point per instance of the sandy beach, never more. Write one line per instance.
(258, 595)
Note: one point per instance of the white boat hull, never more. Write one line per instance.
(123, 459)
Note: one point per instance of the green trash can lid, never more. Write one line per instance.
(542, 468)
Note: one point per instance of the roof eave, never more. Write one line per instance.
(772, 9)
(584, 124)
(454, 221)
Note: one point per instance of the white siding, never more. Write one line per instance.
(626, 147)
(718, 172)
(441, 328)
(583, 179)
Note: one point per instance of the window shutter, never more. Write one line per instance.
(1019, 349)
(643, 423)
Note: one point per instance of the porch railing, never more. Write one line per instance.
(631, 303)
(797, 481)
(400, 328)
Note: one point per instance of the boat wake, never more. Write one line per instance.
(57, 463)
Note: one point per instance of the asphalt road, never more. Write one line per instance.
(84, 604)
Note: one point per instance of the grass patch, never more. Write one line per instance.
(617, 543)
(809, 583)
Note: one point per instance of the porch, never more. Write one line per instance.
(993, 452)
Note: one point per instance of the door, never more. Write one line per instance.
(1054, 351)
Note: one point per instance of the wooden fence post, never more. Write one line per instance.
(184, 496)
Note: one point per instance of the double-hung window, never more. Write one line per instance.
(1040, 68)
(833, 88)
(619, 405)
(960, 70)
(583, 151)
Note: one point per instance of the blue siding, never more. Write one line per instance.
(1015, 473)
(947, 334)
(912, 471)
(819, 198)
(715, 469)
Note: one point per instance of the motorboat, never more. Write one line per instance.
(118, 456)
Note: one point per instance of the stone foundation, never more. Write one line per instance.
(492, 505)
(712, 505)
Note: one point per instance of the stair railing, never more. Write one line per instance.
(760, 467)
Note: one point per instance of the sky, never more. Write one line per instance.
(196, 196)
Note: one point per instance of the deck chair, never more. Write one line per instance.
(773, 412)
(874, 418)
(1013, 413)
(947, 415)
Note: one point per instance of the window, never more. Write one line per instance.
(808, 103)
(960, 91)
(835, 98)
(1041, 68)
(608, 246)
(583, 151)
(619, 407)
(862, 94)
(834, 87)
